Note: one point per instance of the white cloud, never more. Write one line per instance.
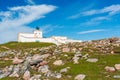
(77, 15)
(30, 2)
(74, 16)
(111, 10)
(16, 18)
(95, 21)
(91, 31)
(107, 13)
(100, 18)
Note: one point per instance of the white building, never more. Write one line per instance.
(36, 36)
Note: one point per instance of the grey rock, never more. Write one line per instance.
(16, 68)
(3, 75)
(57, 75)
(43, 69)
(35, 77)
(117, 67)
(69, 76)
(10, 69)
(80, 77)
(85, 56)
(36, 59)
(15, 72)
(109, 69)
(48, 74)
(26, 75)
(75, 60)
(116, 76)
(64, 70)
(78, 54)
(1, 72)
(58, 62)
(17, 61)
(24, 67)
(92, 60)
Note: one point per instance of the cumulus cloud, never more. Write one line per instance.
(16, 18)
(91, 31)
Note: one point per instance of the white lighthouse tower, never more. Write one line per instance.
(38, 33)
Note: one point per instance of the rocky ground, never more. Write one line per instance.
(89, 60)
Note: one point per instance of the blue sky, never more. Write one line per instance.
(76, 19)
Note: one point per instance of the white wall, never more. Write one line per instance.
(22, 37)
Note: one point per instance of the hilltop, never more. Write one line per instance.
(22, 45)
(89, 60)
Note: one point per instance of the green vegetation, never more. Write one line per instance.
(10, 78)
(4, 63)
(117, 50)
(93, 71)
(24, 45)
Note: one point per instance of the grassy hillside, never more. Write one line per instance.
(117, 50)
(20, 45)
(94, 71)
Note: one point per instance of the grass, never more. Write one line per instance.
(4, 63)
(24, 45)
(10, 78)
(93, 71)
(117, 50)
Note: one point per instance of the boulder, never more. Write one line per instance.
(36, 59)
(92, 60)
(43, 63)
(43, 69)
(48, 74)
(17, 61)
(45, 56)
(109, 69)
(117, 67)
(85, 56)
(10, 68)
(26, 75)
(116, 76)
(66, 55)
(58, 62)
(35, 77)
(80, 77)
(75, 60)
(57, 75)
(65, 49)
(14, 74)
(4, 74)
(78, 54)
(24, 67)
(64, 70)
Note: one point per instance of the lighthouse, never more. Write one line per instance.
(37, 33)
